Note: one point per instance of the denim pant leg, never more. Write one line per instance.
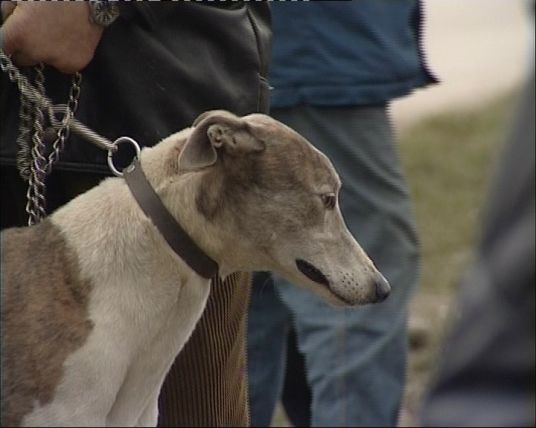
(355, 365)
(356, 358)
(268, 327)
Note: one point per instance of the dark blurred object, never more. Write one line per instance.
(296, 397)
(487, 375)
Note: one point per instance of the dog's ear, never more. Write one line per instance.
(214, 130)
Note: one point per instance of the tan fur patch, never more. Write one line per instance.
(244, 185)
(44, 316)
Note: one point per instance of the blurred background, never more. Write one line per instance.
(478, 48)
(450, 136)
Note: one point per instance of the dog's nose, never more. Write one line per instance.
(382, 288)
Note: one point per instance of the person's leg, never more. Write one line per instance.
(268, 324)
(206, 386)
(296, 396)
(356, 358)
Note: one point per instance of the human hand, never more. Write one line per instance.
(59, 34)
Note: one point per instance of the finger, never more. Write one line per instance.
(23, 60)
(7, 8)
(7, 43)
(11, 31)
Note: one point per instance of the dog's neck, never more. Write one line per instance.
(179, 193)
(111, 207)
(171, 230)
(217, 242)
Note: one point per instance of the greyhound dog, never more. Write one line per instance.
(95, 303)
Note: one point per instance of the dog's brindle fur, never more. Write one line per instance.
(32, 331)
(95, 305)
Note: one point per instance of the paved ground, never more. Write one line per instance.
(478, 48)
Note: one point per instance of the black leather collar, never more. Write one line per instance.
(171, 230)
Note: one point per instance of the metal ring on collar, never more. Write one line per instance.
(115, 144)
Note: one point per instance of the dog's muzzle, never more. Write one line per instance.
(381, 289)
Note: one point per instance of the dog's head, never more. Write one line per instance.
(276, 197)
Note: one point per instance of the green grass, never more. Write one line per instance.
(448, 161)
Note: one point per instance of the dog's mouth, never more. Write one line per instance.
(311, 272)
(316, 275)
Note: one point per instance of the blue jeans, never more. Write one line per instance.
(355, 358)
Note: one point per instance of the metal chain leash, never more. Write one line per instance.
(37, 166)
(28, 91)
(26, 119)
(35, 195)
(36, 110)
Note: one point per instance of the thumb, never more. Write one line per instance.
(8, 34)
(7, 8)
(11, 38)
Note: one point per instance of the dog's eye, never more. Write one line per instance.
(329, 200)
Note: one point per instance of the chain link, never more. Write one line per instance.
(37, 111)
(32, 94)
(34, 114)
(35, 195)
(26, 118)
(62, 133)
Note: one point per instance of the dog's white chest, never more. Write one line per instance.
(124, 361)
(144, 378)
